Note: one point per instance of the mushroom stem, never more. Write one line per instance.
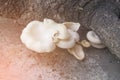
(84, 43)
(99, 46)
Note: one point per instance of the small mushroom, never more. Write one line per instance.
(77, 51)
(85, 43)
(92, 37)
(94, 40)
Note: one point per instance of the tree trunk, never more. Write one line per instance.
(102, 16)
(104, 20)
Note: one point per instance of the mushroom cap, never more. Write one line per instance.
(72, 26)
(69, 43)
(36, 38)
(77, 51)
(92, 37)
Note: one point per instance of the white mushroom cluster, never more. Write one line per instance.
(44, 36)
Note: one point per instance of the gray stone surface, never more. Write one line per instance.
(19, 63)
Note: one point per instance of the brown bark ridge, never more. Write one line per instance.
(59, 10)
(102, 16)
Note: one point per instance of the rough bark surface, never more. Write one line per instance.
(59, 10)
(104, 20)
(102, 16)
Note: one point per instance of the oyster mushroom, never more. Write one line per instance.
(77, 51)
(39, 36)
(94, 40)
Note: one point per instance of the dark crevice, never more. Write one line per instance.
(86, 3)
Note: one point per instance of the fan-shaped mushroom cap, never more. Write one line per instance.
(72, 26)
(92, 37)
(77, 51)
